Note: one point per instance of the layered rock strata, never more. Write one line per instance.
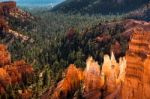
(136, 85)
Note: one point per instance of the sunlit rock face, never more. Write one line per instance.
(18, 71)
(115, 75)
(69, 84)
(93, 82)
(17, 35)
(12, 73)
(136, 85)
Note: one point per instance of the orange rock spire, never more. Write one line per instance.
(92, 80)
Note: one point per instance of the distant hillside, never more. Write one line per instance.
(99, 6)
(142, 13)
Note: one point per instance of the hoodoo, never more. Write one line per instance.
(91, 81)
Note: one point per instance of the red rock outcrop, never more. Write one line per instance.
(136, 85)
(9, 9)
(130, 25)
(5, 7)
(91, 81)
(126, 27)
(69, 84)
(12, 73)
(115, 75)
(18, 71)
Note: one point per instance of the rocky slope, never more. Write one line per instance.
(9, 10)
(130, 25)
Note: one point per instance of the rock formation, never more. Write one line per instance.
(12, 73)
(5, 7)
(136, 85)
(119, 43)
(69, 84)
(7, 10)
(128, 79)
(115, 75)
(93, 82)
(20, 36)
(130, 25)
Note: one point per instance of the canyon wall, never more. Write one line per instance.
(137, 80)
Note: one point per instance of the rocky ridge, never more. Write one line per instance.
(8, 10)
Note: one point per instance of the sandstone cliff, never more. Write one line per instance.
(136, 85)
